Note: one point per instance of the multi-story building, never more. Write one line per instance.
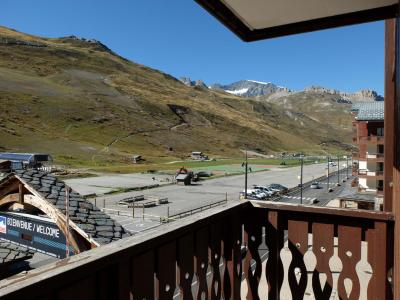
(368, 136)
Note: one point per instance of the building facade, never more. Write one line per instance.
(368, 127)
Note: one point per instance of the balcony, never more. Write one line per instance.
(367, 173)
(379, 157)
(373, 139)
(221, 255)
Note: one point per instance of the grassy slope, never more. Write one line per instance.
(90, 107)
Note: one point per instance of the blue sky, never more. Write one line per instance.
(180, 38)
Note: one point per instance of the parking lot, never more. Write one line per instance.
(202, 194)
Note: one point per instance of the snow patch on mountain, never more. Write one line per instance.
(238, 92)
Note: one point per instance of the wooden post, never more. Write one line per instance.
(168, 214)
(133, 211)
(21, 193)
(391, 131)
(390, 50)
(104, 203)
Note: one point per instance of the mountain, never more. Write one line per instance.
(250, 88)
(362, 95)
(187, 81)
(89, 107)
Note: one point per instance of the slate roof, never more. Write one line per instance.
(88, 217)
(10, 252)
(369, 111)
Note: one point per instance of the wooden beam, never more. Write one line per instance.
(11, 198)
(21, 193)
(392, 115)
(390, 45)
(12, 186)
(237, 26)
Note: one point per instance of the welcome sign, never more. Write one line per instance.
(34, 232)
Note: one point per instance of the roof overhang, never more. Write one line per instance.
(255, 20)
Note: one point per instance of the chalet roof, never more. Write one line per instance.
(261, 19)
(10, 252)
(84, 214)
(369, 111)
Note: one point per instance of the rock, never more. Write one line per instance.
(87, 227)
(105, 234)
(104, 228)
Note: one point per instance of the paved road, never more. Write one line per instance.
(321, 194)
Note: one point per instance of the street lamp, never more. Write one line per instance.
(245, 176)
(328, 174)
(301, 179)
(338, 170)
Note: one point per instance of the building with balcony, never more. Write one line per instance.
(368, 136)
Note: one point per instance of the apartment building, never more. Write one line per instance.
(368, 127)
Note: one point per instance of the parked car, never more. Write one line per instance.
(254, 194)
(265, 190)
(204, 174)
(330, 164)
(315, 185)
(281, 189)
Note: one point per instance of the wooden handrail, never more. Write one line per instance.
(331, 211)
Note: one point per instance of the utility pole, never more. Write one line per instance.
(347, 167)
(338, 170)
(352, 163)
(67, 220)
(245, 177)
(301, 181)
(328, 174)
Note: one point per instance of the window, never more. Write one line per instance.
(379, 131)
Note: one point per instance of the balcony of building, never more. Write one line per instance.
(223, 255)
(372, 139)
(363, 173)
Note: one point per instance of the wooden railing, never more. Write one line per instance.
(372, 138)
(221, 254)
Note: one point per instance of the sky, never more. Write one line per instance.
(179, 38)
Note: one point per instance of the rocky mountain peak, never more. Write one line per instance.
(250, 88)
(187, 81)
(362, 95)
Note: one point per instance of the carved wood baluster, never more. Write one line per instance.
(298, 245)
(185, 266)
(215, 290)
(323, 250)
(166, 271)
(253, 239)
(378, 287)
(143, 276)
(201, 262)
(274, 241)
(232, 242)
(349, 251)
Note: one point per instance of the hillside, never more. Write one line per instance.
(81, 102)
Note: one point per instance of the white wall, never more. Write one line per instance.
(362, 165)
